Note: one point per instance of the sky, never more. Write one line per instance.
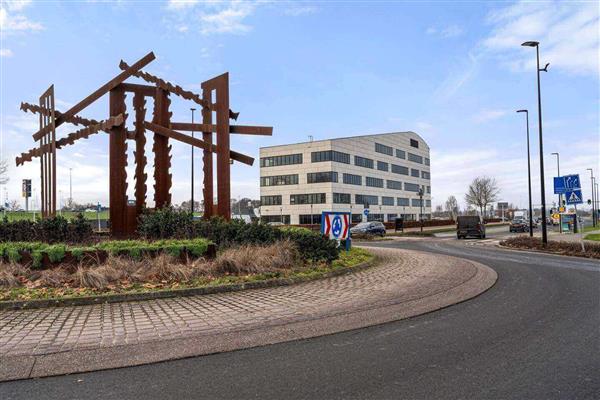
(454, 72)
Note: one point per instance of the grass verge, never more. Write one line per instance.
(593, 236)
(592, 250)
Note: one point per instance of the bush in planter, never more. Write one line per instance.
(80, 230)
(52, 230)
(312, 245)
(165, 223)
(17, 231)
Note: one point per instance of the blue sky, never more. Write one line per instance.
(452, 72)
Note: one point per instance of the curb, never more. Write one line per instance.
(163, 294)
(553, 253)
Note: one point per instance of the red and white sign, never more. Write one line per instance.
(336, 225)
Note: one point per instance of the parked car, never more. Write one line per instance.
(470, 225)
(518, 225)
(369, 228)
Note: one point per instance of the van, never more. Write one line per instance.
(470, 225)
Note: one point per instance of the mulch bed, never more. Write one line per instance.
(592, 250)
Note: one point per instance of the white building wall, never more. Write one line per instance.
(363, 146)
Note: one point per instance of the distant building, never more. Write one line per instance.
(382, 172)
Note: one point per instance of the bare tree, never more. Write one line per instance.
(482, 191)
(14, 205)
(451, 207)
(3, 172)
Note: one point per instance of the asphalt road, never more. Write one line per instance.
(534, 335)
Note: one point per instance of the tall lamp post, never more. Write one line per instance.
(529, 173)
(560, 195)
(539, 93)
(192, 185)
(421, 205)
(593, 198)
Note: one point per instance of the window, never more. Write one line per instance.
(375, 217)
(403, 201)
(428, 189)
(278, 180)
(356, 218)
(399, 169)
(396, 185)
(308, 219)
(270, 200)
(415, 172)
(383, 149)
(341, 198)
(425, 175)
(330, 155)
(317, 177)
(374, 182)
(414, 143)
(383, 166)
(427, 203)
(416, 202)
(426, 161)
(363, 162)
(352, 179)
(307, 198)
(276, 161)
(276, 218)
(411, 187)
(365, 200)
(401, 154)
(415, 158)
(387, 201)
(391, 217)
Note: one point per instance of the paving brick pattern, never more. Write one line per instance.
(400, 276)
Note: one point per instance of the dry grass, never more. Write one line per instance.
(592, 250)
(89, 277)
(53, 277)
(248, 259)
(9, 273)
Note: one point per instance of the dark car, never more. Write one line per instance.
(470, 225)
(518, 225)
(369, 228)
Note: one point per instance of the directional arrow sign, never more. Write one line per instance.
(574, 197)
(572, 182)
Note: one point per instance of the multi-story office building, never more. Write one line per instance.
(382, 172)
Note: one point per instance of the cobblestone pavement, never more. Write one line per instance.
(400, 276)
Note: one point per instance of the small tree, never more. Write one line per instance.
(482, 191)
(14, 205)
(451, 207)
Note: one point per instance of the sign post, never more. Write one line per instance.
(570, 186)
(26, 191)
(336, 226)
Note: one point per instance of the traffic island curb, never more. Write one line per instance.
(474, 279)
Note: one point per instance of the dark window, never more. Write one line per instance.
(330, 155)
(427, 203)
(342, 198)
(396, 185)
(363, 162)
(365, 200)
(383, 166)
(307, 198)
(374, 182)
(375, 217)
(401, 154)
(352, 179)
(276, 161)
(416, 202)
(307, 219)
(428, 189)
(427, 161)
(414, 172)
(387, 201)
(399, 169)
(415, 158)
(403, 201)
(278, 180)
(391, 217)
(276, 218)
(383, 149)
(270, 200)
(356, 218)
(411, 187)
(414, 143)
(317, 177)
(425, 175)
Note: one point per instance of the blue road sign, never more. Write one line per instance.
(567, 183)
(366, 212)
(574, 197)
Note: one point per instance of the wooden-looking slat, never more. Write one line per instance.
(238, 129)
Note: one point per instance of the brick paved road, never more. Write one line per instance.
(401, 276)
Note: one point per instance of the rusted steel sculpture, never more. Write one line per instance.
(123, 216)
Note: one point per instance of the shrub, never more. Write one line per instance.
(312, 245)
(80, 230)
(17, 231)
(52, 230)
(165, 223)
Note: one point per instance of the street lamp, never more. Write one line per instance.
(593, 198)
(192, 109)
(529, 173)
(543, 186)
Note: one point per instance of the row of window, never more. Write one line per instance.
(387, 150)
(278, 180)
(276, 161)
(330, 155)
(356, 218)
(343, 198)
(319, 177)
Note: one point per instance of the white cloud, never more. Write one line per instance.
(450, 31)
(13, 23)
(181, 4)
(6, 52)
(488, 115)
(227, 17)
(567, 32)
(299, 11)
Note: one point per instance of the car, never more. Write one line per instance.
(368, 228)
(518, 225)
(470, 225)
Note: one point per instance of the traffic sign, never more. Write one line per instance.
(366, 212)
(574, 197)
(336, 226)
(563, 184)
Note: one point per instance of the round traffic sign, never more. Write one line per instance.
(336, 226)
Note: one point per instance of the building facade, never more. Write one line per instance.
(382, 173)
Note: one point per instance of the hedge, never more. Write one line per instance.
(49, 230)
